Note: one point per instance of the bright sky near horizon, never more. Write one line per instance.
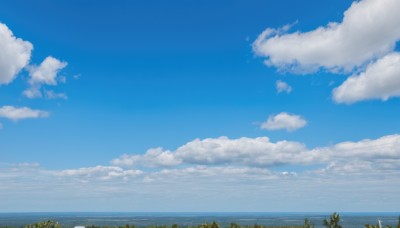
(277, 105)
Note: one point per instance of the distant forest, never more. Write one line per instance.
(332, 222)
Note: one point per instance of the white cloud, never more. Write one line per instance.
(243, 151)
(284, 121)
(27, 165)
(262, 152)
(44, 74)
(226, 173)
(282, 86)
(18, 113)
(369, 30)
(216, 151)
(380, 80)
(387, 147)
(365, 155)
(222, 150)
(14, 55)
(154, 157)
(100, 172)
(379, 154)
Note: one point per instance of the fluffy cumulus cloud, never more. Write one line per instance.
(19, 113)
(364, 41)
(14, 55)
(284, 121)
(369, 29)
(44, 74)
(282, 86)
(363, 156)
(249, 157)
(380, 80)
(382, 153)
(244, 151)
(155, 157)
(386, 147)
(222, 150)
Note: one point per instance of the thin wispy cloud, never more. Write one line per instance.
(50, 94)
(20, 113)
(282, 86)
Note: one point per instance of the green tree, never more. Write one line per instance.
(333, 222)
(44, 224)
(371, 226)
(398, 223)
(92, 226)
(207, 225)
(387, 226)
(308, 224)
(214, 225)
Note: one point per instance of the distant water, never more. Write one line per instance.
(349, 220)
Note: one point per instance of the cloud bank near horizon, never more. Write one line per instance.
(382, 153)
(216, 168)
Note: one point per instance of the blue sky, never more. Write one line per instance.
(146, 101)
